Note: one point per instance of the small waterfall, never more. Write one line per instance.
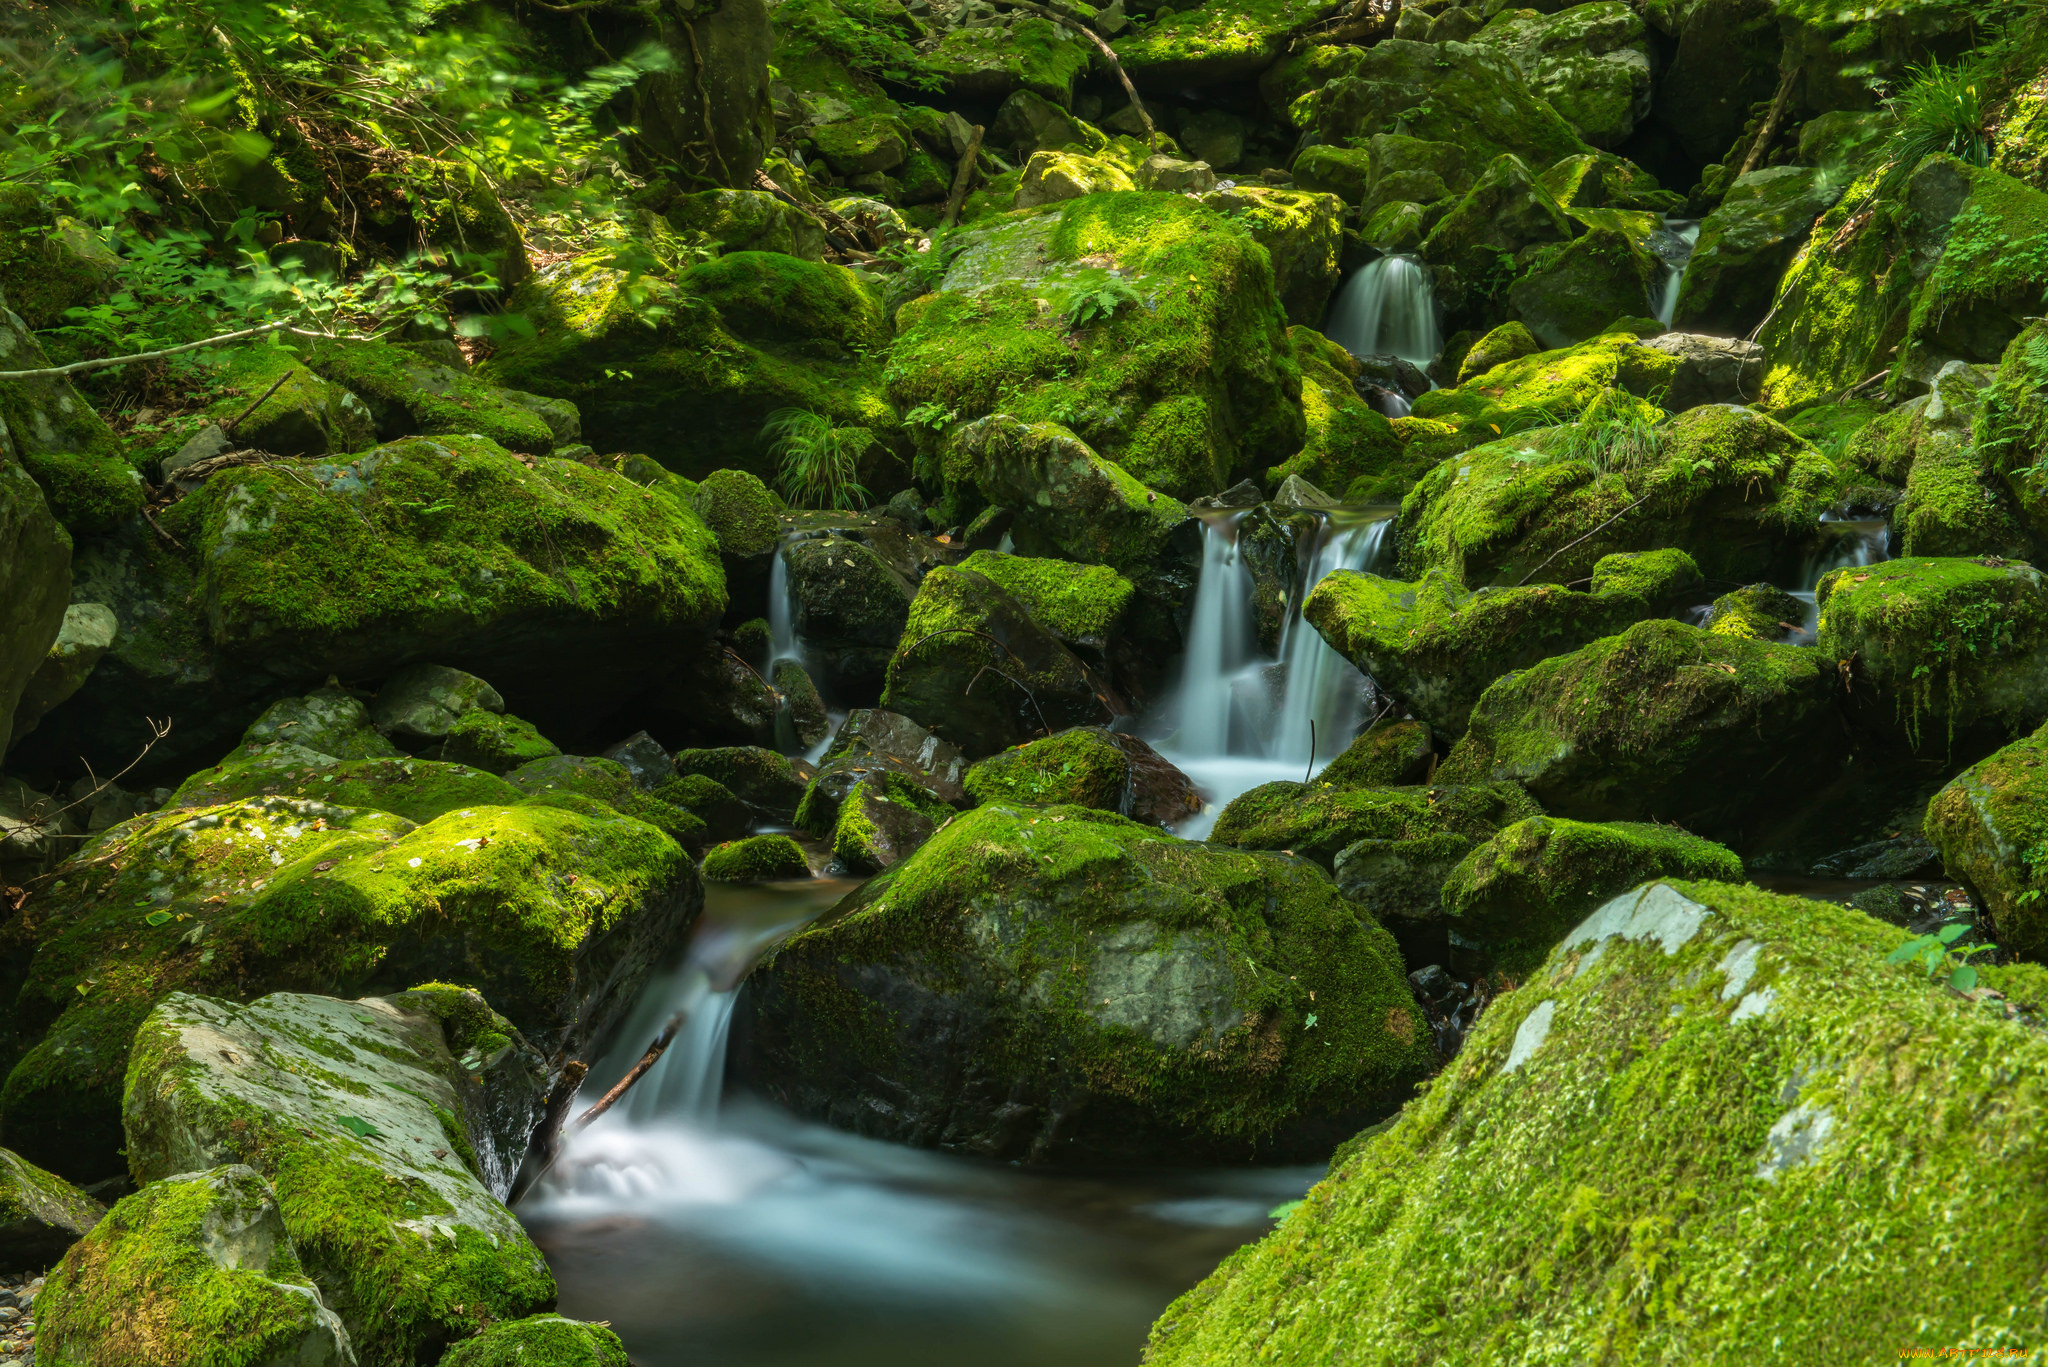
(1387, 307)
(783, 643)
(1674, 247)
(1849, 542)
(1325, 697)
(1222, 643)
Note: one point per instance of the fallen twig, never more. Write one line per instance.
(242, 416)
(962, 178)
(1772, 119)
(633, 1075)
(57, 372)
(1587, 537)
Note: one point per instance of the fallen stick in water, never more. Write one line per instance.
(638, 1071)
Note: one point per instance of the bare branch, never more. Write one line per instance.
(1108, 52)
(58, 372)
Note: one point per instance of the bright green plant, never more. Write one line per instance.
(1941, 109)
(818, 463)
(1936, 954)
(931, 414)
(1099, 305)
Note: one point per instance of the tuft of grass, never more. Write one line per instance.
(1941, 109)
(818, 462)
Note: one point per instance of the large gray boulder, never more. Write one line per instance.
(382, 1169)
(1710, 370)
(41, 1215)
(178, 1272)
(1058, 984)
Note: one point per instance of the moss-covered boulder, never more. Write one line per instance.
(842, 594)
(755, 858)
(965, 631)
(416, 789)
(1591, 63)
(756, 775)
(556, 914)
(874, 741)
(539, 1341)
(495, 743)
(41, 1215)
(199, 1269)
(1084, 313)
(444, 549)
(1524, 887)
(351, 1111)
(1304, 235)
(573, 781)
(87, 633)
(1087, 767)
(1576, 291)
(408, 395)
(1757, 612)
(1007, 52)
(687, 368)
(35, 586)
(1436, 647)
(1941, 652)
(1474, 97)
(1526, 390)
(64, 445)
(1083, 605)
(1745, 244)
(748, 221)
(1351, 447)
(1059, 984)
(1223, 40)
(1664, 722)
(1688, 1078)
(1505, 212)
(49, 262)
(1963, 496)
(1318, 819)
(883, 819)
(1387, 754)
(420, 705)
(1991, 826)
(1732, 488)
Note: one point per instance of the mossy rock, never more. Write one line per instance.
(328, 721)
(754, 774)
(1302, 232)
(199, 1269)
(883, 820)
(1506, 211)
(445, 549)
(1351, 445)
(748, 221)
(408, 395)
(843, 594)
(1029, 963)
(1080, 767)
(416, 789)
(1746, 243)
(41, 1215)
(1510, 341)
(801, 721)
(1548, 386)
(1083, 605)
(1570, 293)
(1940, 651)
(555, 915)
(421, 704)
(350, 1110)
(539, 1341)
(2014, 416)
(741, 512)
(1730, 487)
(1387, 754)
(963, 626)
(756, 858)
(569, 781)
(1436, 648)
(1688, 1062)
(1212, 42)
(742, 336)
(1991, 826)
(1955, 501)
(1590, 62)
(1664, 722)
(1523, 888)
(723, 815)
(1317, 819)
(65, 446)
(493, 742)
(49, 262)
(1759, 612)
(984, 64)
(1085, 313)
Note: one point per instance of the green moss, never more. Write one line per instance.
(1351, 447)
(884, 818)
(755, 774)
(1680, 1122)
(48, 263)
(1991, 826)
(1315, 820)
(287, 890)
(410, 396)
(1730, 487)
(1551, 386)
(494, 742)
(1080, 604)
(1945, 646)
(1082, 767)
(1760, 612)
(318, 564)
(539, 1341)
(1200, 338)
(741, 512)
(1663, 721)
(1521, 890)
(145, 1285)
(416, 789)
(1221, 40)
(546, 779)
(63, 444)
(1387, 754)
(756, 857)
(1437, 648)
(1071, 901)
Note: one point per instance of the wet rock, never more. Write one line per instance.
(757, 776)
(713, 699)
(1505, 211)
(843, 594)
(41, 1215)
(1955, 501)
(1746, 243)
(1387, 754)
(1083, 605)
(1590, 62)
(1303, 233)
(1940, 653)
(1904, 856)
(801, 722)
(177, 1270)
(642, 756)
(883, 820)
(743, 513)
(967, 632)
(1719, 717)
(556, 908)
(1683, 1017)
(1060, 985)
(1319, 819)
(756, 858)
(1437, 649)
(318, 1094)
(1087, 767)
(536, 1339)
(1351, 446)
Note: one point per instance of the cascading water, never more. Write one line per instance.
(1674, 247)
(1846, 543)
(1387, 307)
(1228, 728)
(783, 643)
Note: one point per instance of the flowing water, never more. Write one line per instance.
(721, 1232)
(1237, 718)
(1387, 307)
(1846, 542)
(783, 642)
(1674, 247)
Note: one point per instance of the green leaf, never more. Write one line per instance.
(1906, 950)
(1310, 1023)
(1283, 1210)
(1948, 935)
(1963, 979)
(359, 1127)
(156, 918)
